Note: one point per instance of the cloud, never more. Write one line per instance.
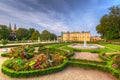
(55, 15)
(45, 20)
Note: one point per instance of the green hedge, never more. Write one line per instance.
(89, 61)
(32, 73)
(5, 54)
(40, 72)
(103, 56)
(95, 66)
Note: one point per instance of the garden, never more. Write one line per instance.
(42, 59)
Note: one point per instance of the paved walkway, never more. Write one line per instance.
(87, 55)
(27, 43)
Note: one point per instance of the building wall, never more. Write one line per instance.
(95, 38)
(66, 36)
(76, 36)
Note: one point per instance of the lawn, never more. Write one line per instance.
(109, 48)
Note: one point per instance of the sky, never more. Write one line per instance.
(55, 16)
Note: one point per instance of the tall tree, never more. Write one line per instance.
(30, 32)
(21, 33)
(109, 26)
(45, 35)
(35, 35)
(4, 32)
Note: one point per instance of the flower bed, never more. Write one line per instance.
(32, 73)
(23, 63)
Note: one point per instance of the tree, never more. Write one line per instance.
(4, 42)
(109, 26)
(21, 33)
(53, 36)
(4, 32)
(30, 32)
(35, 35)
(45, 35)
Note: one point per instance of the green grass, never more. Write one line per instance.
(109, 48)
(112, 46)
(57, 45)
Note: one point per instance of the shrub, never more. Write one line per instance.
(6, 55)
(88, 61)
(32, 73)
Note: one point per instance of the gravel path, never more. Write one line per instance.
(87, 55)
(70, 73)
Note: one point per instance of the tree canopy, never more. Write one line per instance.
(24, 34)
(35, 35)
(4, 32)
(46, 35)
(109, 26)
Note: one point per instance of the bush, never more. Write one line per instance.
(95, 66)
(32, 73)
(6, 55)
(29, 55)
(4, 42)
(88, 61)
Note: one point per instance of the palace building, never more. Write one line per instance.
(75, 36)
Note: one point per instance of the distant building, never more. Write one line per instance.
(59, 38)
(75, 36)
(13, 32)
(95, 38)
(15, 28)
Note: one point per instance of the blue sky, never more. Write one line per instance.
(55, 15)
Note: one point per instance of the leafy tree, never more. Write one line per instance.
(4, 32)
(4, 42)
(21, 33)
(109, 26)
(35, 35)
(53, 36)
(46, 35)
(30, 32)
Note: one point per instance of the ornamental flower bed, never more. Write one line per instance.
(23, 58)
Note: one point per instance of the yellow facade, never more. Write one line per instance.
(95, 38)
(75, 36)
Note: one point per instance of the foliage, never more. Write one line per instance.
(46, 35)
(5, 54)
(4, 32)
(32, 73)
(35, 35)
(21, 33)
(109, 26)
(4, 42)
(89, 61)
(53, 58)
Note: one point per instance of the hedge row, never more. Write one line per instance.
(52, 50)
(5, 54)
(89, 61)
(103, 56)
(9, 46)
(114, 72)
(32, 73)
(40, 72)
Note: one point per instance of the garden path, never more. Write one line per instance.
(87, 55)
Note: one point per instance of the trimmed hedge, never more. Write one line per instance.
(5, 54)
(40, 72)
(95, 66)
(32, 73)
(89, 61)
